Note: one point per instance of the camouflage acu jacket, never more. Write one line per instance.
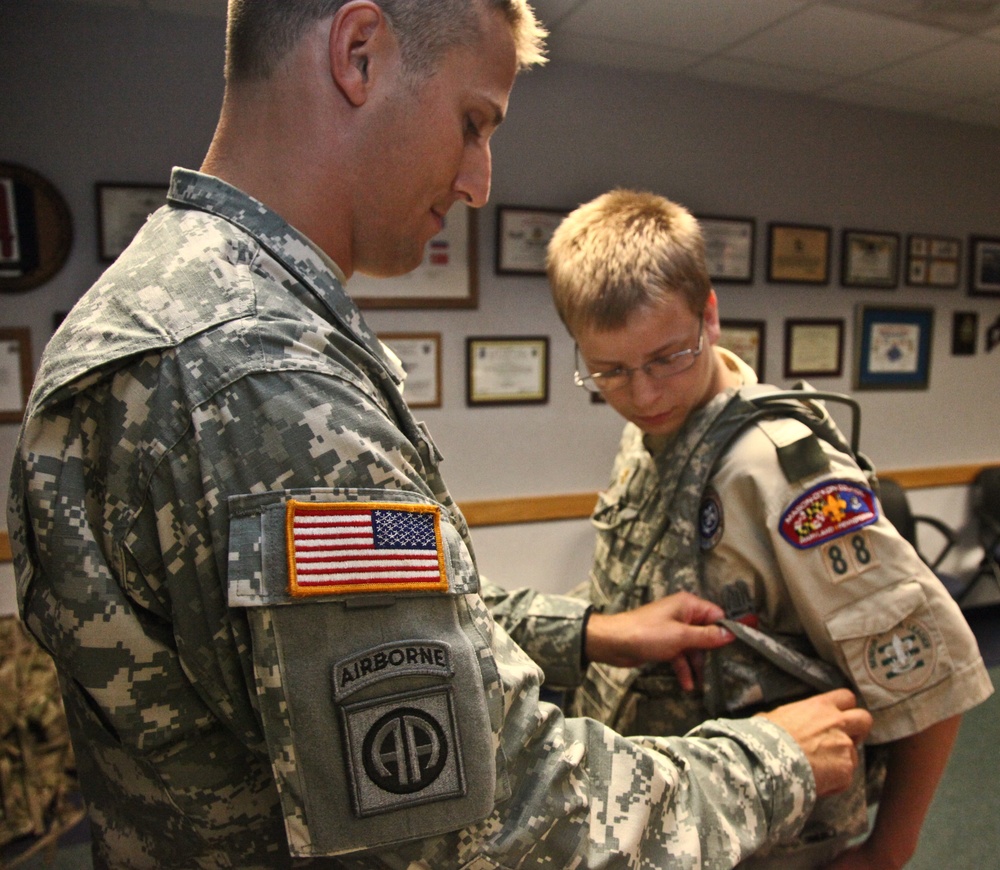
(215, 461)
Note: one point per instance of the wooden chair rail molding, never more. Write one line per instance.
(576, 506)
(540, 508)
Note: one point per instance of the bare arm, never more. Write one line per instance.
(914, 769)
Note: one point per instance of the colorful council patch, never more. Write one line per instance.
(828, 511)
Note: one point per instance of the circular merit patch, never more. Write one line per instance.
(710, 519)
(903, 658)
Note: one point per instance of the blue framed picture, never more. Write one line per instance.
(893, 347)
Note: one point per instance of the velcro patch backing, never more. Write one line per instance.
(349, 547)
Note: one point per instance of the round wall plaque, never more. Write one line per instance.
(36, 230)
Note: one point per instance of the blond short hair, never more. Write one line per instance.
(621, 251)
(260, 33)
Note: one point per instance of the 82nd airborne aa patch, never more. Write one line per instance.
(828, 511)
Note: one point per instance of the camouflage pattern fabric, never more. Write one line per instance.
(37, 771)
(218, 368)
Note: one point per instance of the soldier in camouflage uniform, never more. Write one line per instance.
(767, 513)
(232, 535)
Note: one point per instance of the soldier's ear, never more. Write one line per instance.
(358, 34)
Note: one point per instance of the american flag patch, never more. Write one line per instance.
(337, 548)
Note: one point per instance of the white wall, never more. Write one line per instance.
(92, 94)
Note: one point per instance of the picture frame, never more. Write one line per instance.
(507, 370)
(729, 247)
(122, 209)
(893, 347)
(523, 235)
(933, 261)
(814, 347)
(746, 339)
(984, 266)
(447, 277)
(798, 253)
(420, 355)
(37, 229)
(16, 374)
(869, 258)
(964, 333)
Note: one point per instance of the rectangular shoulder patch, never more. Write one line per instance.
(350, 547)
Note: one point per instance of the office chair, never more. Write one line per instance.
(896, 508)
(986, 511)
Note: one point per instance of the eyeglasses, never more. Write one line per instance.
(657, 369)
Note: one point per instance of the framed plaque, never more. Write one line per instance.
(729, 245)
(798, 254)
(507, 371)
(869, 259)
(420, 354)
(814, 348)
(893, 346)
(122, 209)
(523, 238)
(745, 338)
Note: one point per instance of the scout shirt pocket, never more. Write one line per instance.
(373, 685)
(891, 644)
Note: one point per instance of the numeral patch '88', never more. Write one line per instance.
(849, 556)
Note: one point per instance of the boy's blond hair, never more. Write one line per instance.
(621, 251)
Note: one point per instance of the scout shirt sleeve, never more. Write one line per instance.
(569, 792)
(827, 564)
(549, 628)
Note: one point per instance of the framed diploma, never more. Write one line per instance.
(893, 346)
(523, 238)
(729, 246)
(798, 254)
(445, 278)
(420, 354)
(814, 348)
(932, 261)
(15, 372)
(869, 259)
(745, 338)
(507, 371)
(984, 266)
(122, 209)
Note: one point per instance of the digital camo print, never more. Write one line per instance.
(216, 371)
(697, 515)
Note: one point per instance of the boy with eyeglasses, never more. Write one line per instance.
(769, 515)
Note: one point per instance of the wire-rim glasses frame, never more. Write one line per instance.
(656, 369)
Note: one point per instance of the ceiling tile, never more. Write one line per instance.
(693, 25)
(750, 74)
(871, 93)
(600, 51)
(962, 16)
(840, 41)
(966, 69)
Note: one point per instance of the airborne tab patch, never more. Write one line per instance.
(349, 547)
(828, 511)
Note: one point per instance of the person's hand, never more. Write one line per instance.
(829, 728)
(671, 629)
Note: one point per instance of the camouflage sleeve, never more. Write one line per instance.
(584, 796)
(549, 628)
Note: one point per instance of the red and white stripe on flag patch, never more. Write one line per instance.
(341, 547)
